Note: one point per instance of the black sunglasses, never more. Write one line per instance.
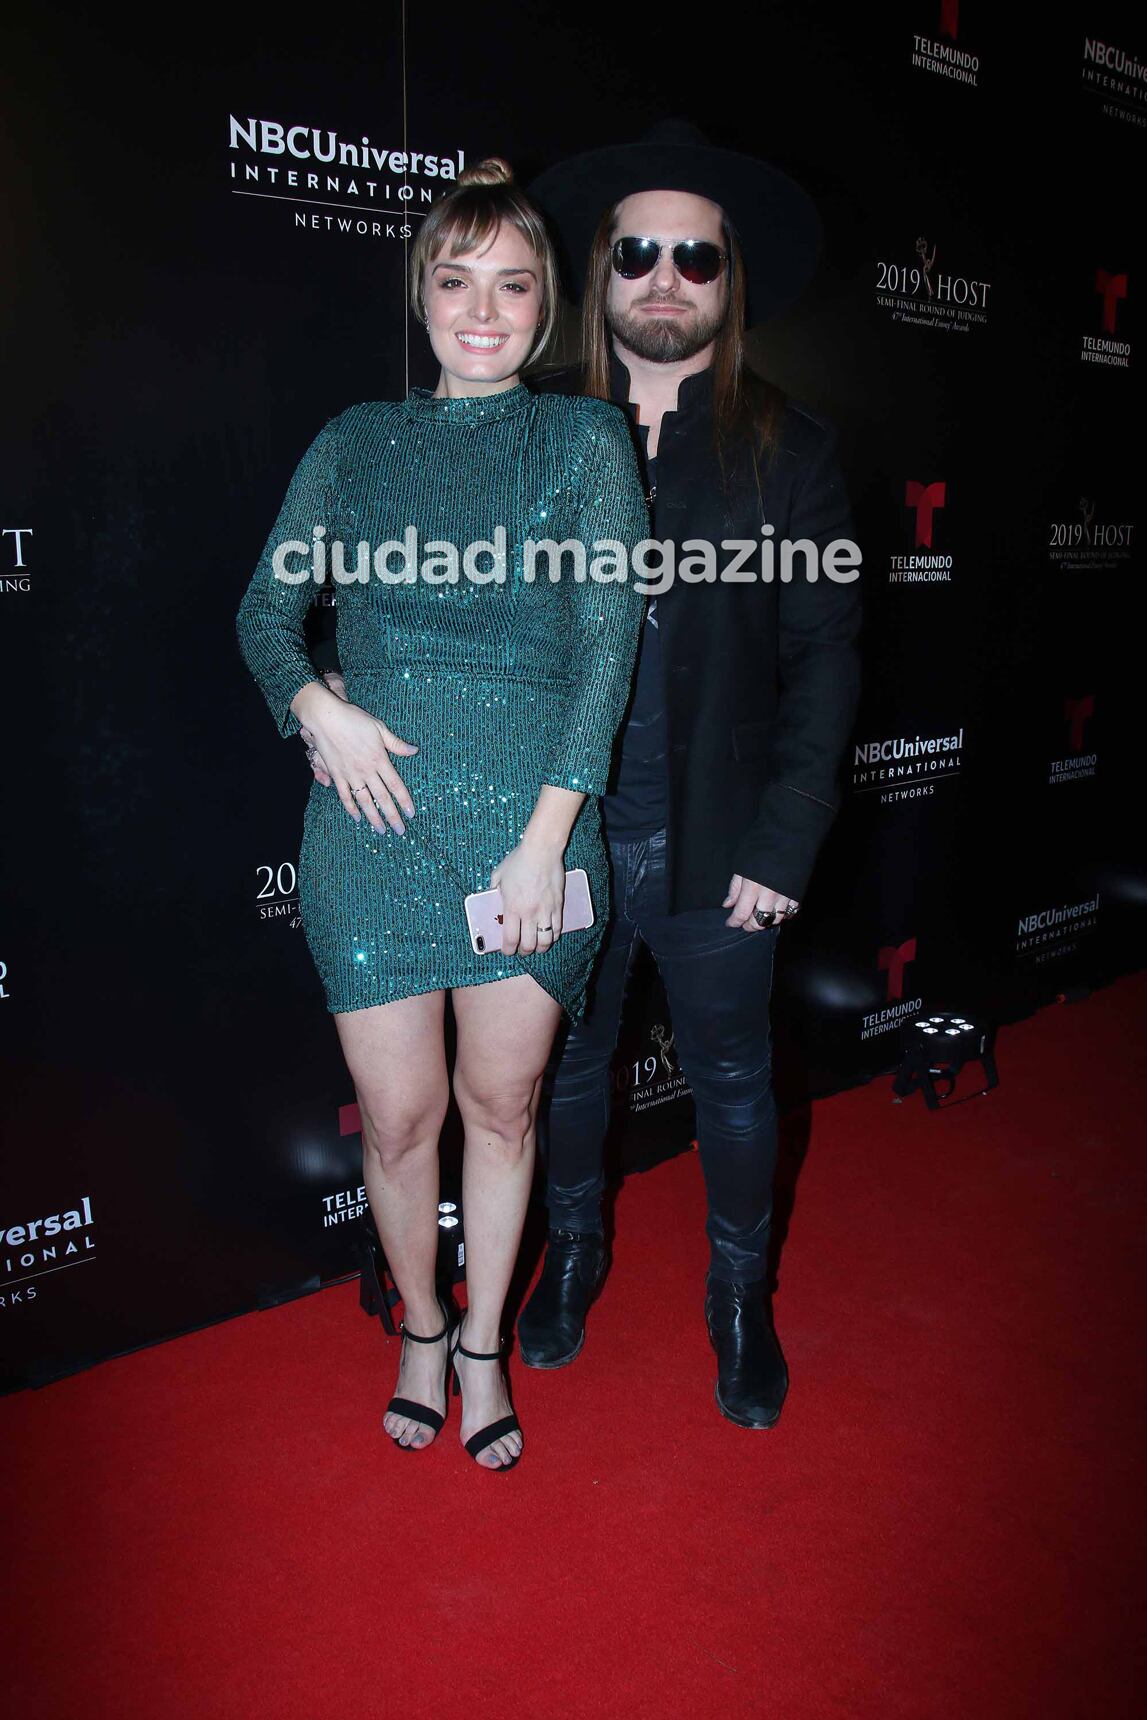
(696, 260)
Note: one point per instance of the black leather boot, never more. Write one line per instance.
(551, 1327)
(751, 1375)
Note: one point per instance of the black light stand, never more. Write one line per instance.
(935, 1049)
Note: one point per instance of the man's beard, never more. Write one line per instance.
(662, 340)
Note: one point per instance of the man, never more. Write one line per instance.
(744, 697)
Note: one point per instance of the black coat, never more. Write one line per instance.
(762, 681)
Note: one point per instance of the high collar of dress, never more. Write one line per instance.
(467, 408)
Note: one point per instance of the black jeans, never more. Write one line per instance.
(718, 980)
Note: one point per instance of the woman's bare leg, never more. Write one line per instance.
(397, 1060)
(505, 1031)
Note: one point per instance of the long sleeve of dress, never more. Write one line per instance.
(608, 615)
(270, 622)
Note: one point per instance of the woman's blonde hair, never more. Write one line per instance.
(467, 217)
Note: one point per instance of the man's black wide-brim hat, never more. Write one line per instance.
(776, 221)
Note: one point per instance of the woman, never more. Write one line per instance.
(500, 699)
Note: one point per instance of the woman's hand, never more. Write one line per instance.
(332, 679)
(532, 880)
(355, 748)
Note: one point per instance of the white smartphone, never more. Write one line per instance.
(484, 912)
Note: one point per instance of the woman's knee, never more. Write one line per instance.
(500, 1113)
(393, 1132)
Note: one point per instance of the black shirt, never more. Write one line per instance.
(638, 803)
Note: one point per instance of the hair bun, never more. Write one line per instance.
(492, 170)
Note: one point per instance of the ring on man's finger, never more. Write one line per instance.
(764, 916)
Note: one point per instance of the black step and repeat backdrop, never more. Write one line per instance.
(205, 239)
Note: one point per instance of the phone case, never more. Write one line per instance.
(484, 912)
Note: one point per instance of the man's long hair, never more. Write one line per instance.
(746, 409)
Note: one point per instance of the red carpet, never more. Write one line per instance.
(945, 1523)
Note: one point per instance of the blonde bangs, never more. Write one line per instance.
(469, 218)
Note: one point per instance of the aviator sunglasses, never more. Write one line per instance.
(696, 260)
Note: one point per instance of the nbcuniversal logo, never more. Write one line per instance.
(1048, 933)
(37, 1247)
(1118, 79)
(312, 148)
(906, 767)
(340, 185)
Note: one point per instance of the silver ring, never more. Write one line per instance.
(790, 910)
(764, 917)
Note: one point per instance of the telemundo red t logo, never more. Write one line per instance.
(924, 499)
(1111, 288)
(1077, 711)
(892, 959)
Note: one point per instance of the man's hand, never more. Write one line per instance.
(746, 898)
(332, 679)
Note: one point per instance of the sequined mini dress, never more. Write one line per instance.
(504, 681)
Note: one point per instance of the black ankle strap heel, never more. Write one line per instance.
(415, 1339)
(485, 1436)
(477, 1355)
(420, 1411)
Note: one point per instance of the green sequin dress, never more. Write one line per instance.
(503, 685)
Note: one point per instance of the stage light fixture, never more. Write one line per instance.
(932, 1065)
